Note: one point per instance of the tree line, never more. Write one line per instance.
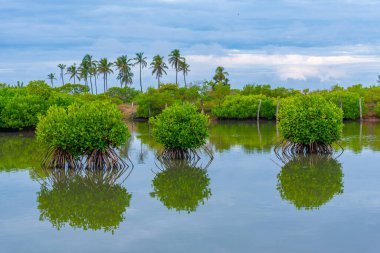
(89, 69)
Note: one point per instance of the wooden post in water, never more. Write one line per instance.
(360, 109)
(277, 108)
(132, 112)
(340, 103)
(258, 111)
(166, 105)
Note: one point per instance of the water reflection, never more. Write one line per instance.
(181, 185)
(84, 199)
(250, 136)
(309, 182)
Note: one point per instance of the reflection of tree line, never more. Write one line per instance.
(358, 136)
(20, 151)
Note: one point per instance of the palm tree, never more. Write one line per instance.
(84, 72)
(185, 68)
(51, 77)
(73, 72)
(104, 67)
(220, 75)
(175, 59)
(141, 60)
(123, 65)
(90, 64)
(62, 67)
(158, 65)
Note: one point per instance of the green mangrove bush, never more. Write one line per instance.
(309, 124)
(245, 107)
(92, 129)
(180, 129)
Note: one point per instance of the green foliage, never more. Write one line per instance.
(182, 187)
(310, 118)
(126, 94)
(39, 88)
(245, 107)
(349, 102)
(84, 202)
(180, 127)
(73, 88)
(266, 89)
(83, 127)
(310, 181)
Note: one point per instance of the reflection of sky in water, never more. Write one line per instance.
(244, 214)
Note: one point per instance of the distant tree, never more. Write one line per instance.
(90, 64)
(378, 79)
(158, 65)
(73, 72)
(123, 65)
(105, 68)
(62, 67)
(185, 68)
(141, 60)
(175, 59)
(94, 73)
(51, 77)
(221, 75)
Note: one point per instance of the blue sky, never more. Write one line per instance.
(293, 43)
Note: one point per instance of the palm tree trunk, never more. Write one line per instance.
(96, 86)
(176, 76)
(92, 92)
(74, 79)
(63, 82)
(104, 80)
(140, 78)
(184, 79)
(158, 78)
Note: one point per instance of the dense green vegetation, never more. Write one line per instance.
(310, 181)
(83, 128)
(180, 127)
(309, 120)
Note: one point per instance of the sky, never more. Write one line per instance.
(292, 43)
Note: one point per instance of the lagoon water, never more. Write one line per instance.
(246, 200)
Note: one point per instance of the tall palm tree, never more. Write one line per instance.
(185, 68)
(220, 74)
(158, 65)
(73, 72)
(141, 60)
(51, 77)
(84, 71)
(175, 59)
(62, 67)
(105, 68)
(123, 65)
(90, 64)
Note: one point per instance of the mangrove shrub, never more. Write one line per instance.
(310, 123)
(245, 107)
(180, 128)
(92, 128)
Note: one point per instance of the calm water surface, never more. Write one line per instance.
(245, 200)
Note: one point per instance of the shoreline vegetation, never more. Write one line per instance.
(21, 105)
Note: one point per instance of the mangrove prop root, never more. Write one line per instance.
(59, 158)
(104, 159)
(287, 150)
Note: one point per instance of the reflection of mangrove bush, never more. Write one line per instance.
(181, 186)
(92, 129)
(309, 124)
(83, 199)
(181, 130)
(310, 181)
(251, 137)
(245, 107)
